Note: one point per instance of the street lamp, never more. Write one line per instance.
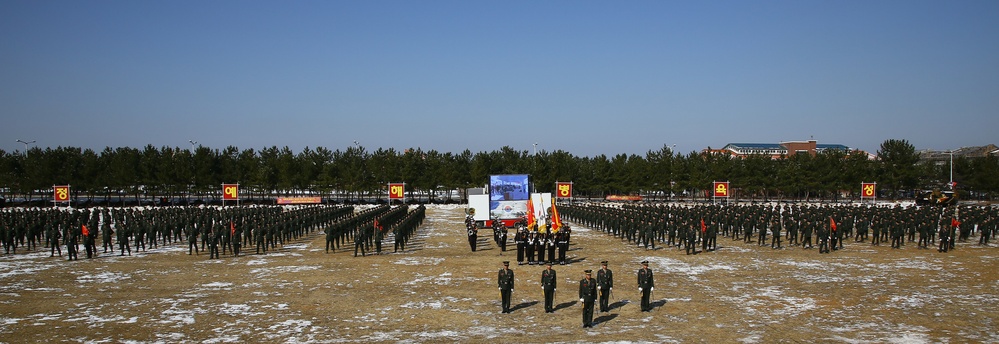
(951, 184)
(671, 150)
(25, 145)
(193, 172)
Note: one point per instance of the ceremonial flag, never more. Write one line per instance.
(704, 229)
(955, 223)
(86, 231)
(531, 220)
(832, 224)
(230, 192)
(556, 220)
(60, 193)
(232, 228)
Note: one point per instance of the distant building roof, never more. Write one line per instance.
(776, 150)
(966, 152)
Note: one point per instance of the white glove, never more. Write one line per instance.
(652, 289)
(598, 287)
(556, 289)
(511, 290)
(639, 290)
(580, 300)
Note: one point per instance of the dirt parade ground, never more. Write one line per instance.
(440, 291)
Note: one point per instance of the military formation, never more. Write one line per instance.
(696, 227)
(216, 230)
(540, 244)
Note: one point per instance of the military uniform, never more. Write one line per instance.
(505, 282)
(605, 284)
(549, 283)
(645, 285)
(587, 295)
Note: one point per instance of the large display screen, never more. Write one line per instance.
(508, 194)
(509, 187)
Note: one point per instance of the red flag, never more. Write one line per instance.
(232, 228)
(832, 224)
(953, 223)
(531, 220)
(556, 220)
(86, 231)
(377, 226)
(704, 228)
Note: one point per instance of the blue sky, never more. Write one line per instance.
(587, 77)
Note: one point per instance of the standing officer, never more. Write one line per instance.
(587, 294)
(605, 283)
(505, 286)
(548, 283)
(645, 285)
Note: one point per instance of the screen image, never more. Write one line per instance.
(509, 187)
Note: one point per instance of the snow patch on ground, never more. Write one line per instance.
(419, 261)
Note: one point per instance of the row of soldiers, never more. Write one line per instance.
(540, 246)
(794, 224)
(216, 229)
(376, 224)
(592, 291)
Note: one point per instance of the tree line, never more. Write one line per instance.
(152, 172)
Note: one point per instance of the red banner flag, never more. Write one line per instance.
(397, 190)
(232, 228)
(86, 231)
(230, 192)
(556, 220)
(60, 193)
(832, 224)
(721, 189)
(955, 223)
(531, 220)
(704, 228)
(867, 190)
(563, 190)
